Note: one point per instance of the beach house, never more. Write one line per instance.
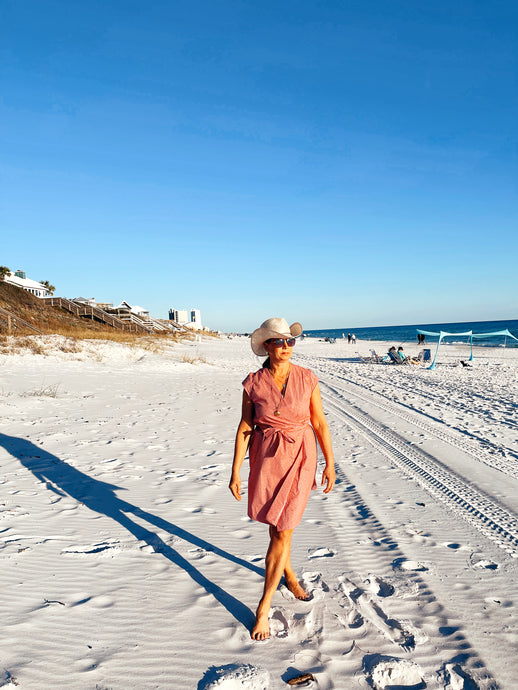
(20, 279)
(134, 309)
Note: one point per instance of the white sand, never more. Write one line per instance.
(126, 564)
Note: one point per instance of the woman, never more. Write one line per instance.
(279, 403)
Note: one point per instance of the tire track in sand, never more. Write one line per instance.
(485, 452)
(478, 509)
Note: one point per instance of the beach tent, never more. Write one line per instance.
(443, 334)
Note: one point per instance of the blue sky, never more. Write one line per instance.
(337, 163)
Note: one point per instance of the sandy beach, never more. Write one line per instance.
(126, 563)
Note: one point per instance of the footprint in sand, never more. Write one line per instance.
(364, 607)
(495, 601)
(482, 564)
(68, 507)
(161, 501)
(278, 624)
(321, 552)
(408, 565)
(390, 672)
(98, 547)
(378, 586)
(214, 468)
(176, 476)
(197, 553)
(314, 581)
(198, 509)
(234, 676)
(456, 677)
(298, 626)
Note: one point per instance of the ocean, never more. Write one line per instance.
(399, 335)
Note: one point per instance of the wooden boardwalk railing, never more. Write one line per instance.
(128, 318)
(149, 323)
(11, 320)
(86, 310)
(174, 325)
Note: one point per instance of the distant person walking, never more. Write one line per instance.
(281, 416)
(349, 338)
(353, 339)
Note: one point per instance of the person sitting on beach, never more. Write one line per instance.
(392, 355)
(404, 358)
(281, 416)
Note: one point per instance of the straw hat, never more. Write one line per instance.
(273, 328)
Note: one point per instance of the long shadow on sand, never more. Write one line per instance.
(63, 479)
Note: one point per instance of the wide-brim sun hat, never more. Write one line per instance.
(273, 328)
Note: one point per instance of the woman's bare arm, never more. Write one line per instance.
(244, 432)
(319, 424)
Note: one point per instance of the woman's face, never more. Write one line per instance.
(278, 354)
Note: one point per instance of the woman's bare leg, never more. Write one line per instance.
(290, 578)
(292, 582)
(276, 558)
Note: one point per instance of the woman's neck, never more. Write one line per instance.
(279, 369)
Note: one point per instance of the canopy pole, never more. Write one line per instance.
(471, 343)
(432, 365)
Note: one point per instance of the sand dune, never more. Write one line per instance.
(126, 563)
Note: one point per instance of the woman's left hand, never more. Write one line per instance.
(235, 487)
(328, 479)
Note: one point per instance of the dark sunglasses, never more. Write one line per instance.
(279, 342)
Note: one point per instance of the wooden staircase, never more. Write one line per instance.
(149, 323)
(94, 313)
(13, 321)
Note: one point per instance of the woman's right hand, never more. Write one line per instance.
(235, 487)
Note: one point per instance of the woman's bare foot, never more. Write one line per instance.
(261, 629)
(295, 588)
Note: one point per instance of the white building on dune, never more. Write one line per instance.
(190, 318)
(133, 308)
(19, 279)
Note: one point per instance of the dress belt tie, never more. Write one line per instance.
(270, 431)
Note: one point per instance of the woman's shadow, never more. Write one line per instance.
(63, 479)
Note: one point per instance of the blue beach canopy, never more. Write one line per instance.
(442, 334)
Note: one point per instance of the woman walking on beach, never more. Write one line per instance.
(281, 415)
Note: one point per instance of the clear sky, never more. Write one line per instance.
(338, 162)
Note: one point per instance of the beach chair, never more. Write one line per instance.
(364, 359)
(423, 356)
(396, 359)
(376, 357)
(420, 357)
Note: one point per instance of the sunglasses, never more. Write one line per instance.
(279, 342)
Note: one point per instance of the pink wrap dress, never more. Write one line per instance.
(283, 449)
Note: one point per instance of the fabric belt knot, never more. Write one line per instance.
(270, 431)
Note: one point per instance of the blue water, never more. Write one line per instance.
(407, 334)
